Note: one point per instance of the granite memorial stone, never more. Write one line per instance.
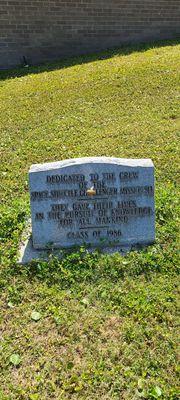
(98, 202)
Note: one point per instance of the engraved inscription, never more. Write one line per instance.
(87, 214)
(93, 205)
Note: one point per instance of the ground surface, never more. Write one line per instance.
(106, 326)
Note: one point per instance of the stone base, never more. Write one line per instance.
(28, 253)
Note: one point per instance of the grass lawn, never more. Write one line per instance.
(105, 327)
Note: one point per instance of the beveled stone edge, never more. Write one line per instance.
(129, 162)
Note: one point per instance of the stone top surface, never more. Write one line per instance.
(130, 162)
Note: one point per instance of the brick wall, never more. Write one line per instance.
(43, 30)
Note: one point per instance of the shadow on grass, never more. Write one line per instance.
(83, 59)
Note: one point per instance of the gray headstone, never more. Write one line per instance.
(99, 202)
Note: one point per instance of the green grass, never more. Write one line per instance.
(107, 327)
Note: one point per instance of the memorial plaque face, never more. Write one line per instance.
(99, 202)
